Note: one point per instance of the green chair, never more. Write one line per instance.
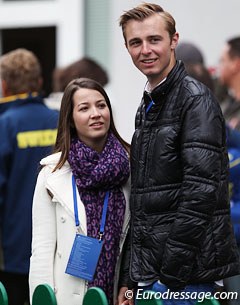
(95, 296)
(44, 295)
(208, 302)
(3, 295)
(150, 300)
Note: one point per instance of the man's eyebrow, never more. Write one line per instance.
(134, 39)
(154, 35)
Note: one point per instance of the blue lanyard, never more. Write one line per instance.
(104, 212)
(149, 106)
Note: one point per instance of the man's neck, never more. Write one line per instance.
(149, 88)
(155, 81)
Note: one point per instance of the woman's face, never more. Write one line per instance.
(91, 117)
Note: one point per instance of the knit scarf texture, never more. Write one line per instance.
(95, 174)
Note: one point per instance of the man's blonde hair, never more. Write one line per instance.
(144, 11)
(21, 70)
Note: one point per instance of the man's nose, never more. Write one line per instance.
(146, 48)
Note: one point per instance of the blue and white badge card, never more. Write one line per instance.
(84, 257)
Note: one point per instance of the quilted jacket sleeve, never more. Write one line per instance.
(124, 277)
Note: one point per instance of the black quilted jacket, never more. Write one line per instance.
(180, 226)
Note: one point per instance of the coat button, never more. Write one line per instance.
(59, 254)
(63, 219)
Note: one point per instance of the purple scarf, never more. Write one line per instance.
(95, 173)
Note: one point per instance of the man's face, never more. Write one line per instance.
(150, 47)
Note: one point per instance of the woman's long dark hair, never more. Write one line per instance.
(66, 128)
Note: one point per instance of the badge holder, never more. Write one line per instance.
(86, 250)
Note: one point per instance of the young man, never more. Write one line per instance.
(28, 131)
(181, 239)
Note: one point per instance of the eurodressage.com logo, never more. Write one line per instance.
(180, 295)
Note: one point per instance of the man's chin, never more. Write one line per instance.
(147, 72)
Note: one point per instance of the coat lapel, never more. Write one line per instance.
(60, 185)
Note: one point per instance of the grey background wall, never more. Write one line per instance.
(90, 27)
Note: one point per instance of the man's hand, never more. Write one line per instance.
(125, 298)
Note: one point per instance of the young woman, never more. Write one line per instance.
(86, 177)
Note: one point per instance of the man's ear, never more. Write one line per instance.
(174, 41)
(127, 49)
(5, 91)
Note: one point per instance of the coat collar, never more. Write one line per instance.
(59, 183)
(177, 73)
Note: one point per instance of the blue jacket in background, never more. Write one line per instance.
(28, 132)
(233, 137)
(6, 105)
(234, 159)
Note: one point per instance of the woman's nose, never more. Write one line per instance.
(95, 112)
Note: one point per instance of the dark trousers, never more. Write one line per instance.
(16, 286)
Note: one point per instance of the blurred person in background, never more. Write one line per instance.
(28, 132)
(229, 75)
(5, 103)
(85, 67)
(232, 284)
(189, 53)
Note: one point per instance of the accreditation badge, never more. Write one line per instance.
(84, 257)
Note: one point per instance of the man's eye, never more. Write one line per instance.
(134, 43)
(154, 40)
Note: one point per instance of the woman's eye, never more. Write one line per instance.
(83, 109)
(102, 106)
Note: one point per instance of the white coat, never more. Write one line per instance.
(54, 231)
